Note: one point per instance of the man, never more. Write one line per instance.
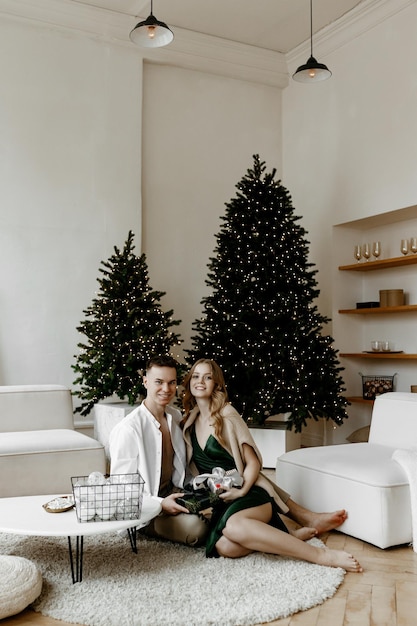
(149, 441)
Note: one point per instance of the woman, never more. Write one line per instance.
(248, 519)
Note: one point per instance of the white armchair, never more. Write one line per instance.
(361, 477)
(39, 448)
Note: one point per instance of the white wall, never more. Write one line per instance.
(349, 143)
(191, 165)
(71, 168)
(70, 124)
(71, 164)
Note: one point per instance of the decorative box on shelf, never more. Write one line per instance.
(375, 385)
(367, 305)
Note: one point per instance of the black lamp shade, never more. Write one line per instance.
(151, 33)
(311, 72)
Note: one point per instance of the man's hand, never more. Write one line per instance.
(170, 505)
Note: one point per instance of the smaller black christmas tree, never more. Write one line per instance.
(125, 326)
(260, 322)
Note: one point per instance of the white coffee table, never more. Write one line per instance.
(25, 515)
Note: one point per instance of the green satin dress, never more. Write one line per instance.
(214, 455)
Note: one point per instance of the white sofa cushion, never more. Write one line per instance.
(360, 477)
(394, 420)
(378, 514)
(371, 465)
(37, 472)
(42, 441)
(35, 407)
(39, 449)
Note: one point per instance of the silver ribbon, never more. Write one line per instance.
(219, 479)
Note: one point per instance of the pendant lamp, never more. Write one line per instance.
(151, 33)
(312, 71)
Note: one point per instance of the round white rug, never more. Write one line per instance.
(168, 584)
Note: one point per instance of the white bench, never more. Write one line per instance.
(39, 448)
(360, 477)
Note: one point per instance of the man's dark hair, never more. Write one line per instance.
(162, 360)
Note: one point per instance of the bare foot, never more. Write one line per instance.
(340, 558)
(324, 522)
(303, 533)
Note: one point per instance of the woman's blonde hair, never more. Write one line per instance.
(218, 400)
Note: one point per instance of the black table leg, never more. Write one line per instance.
(77, 575)
(132, 537)
(77, 572)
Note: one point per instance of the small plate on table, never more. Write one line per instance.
(59, 505)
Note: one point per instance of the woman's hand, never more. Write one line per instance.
(170, 506)
(228, 495)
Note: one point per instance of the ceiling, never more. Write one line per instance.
(279, 25)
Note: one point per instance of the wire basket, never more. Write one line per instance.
(376, 384)
(101, 499)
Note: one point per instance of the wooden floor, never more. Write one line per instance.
(385, 594)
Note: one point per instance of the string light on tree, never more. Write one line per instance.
(125, 326)
(260, 322)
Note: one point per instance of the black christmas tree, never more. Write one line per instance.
(124, 327)
(259, 322)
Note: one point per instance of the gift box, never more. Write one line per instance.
(196, 501)
(205, 489)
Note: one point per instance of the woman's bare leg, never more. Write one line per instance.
(249, 530)
(304, 533)
(323, 522)
(234, 550)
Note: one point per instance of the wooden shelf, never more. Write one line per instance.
(368, 266)
(359, 399)
(356, 332)
(379, 310)
(402, 356)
